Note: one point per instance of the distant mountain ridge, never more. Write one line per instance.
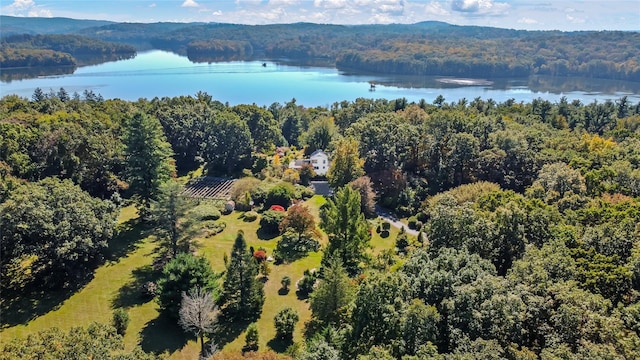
(13, 25)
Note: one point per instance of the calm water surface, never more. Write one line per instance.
(159, 73)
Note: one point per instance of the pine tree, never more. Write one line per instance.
(242, 294)
(168, 213)
(148, 156)
(333, 294)
(348, 231)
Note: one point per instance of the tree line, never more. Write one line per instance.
(57, 50)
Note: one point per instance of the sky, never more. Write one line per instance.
(563, 15)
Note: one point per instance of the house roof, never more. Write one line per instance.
(319, 152)
(322, 188)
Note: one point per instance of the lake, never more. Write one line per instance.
(160, 73)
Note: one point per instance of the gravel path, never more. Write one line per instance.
(393, 220)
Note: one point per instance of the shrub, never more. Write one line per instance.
(260, 255)
(285, 282)
(303, 192)
(242, 186)
(293, 247)
(149, 289)
(205, 211)
(307, 283)
(402, 241)
(419, 225)
(411, 222)
(211, 228)
(270, 221)
(120, 321)
(280, 194)
(386, 226)
(251, 339)
(250, 216)
(422, 216)
(285, 322)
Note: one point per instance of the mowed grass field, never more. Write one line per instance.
(117, 282)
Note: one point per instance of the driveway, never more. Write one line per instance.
(393, 220)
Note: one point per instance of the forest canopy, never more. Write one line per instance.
(527, 214)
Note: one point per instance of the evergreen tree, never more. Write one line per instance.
(242, 294)
(182, 274)
(148, 156)
(168, 213)
(333, 294)
(347, 228)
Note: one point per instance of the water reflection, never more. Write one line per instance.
(17, 74)
(555, 85)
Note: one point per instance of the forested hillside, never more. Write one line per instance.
(428, 48)
(58, 50)
(527, 219)
(424, 49)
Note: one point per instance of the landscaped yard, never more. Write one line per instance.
(116, 284)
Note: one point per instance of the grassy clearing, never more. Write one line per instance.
(116, 284)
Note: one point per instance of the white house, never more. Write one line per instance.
(320, 162)
(318, 159)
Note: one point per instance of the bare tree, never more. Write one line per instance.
(198, 313)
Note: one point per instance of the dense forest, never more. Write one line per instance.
(427, 48)
(58, 50)
(527, 218)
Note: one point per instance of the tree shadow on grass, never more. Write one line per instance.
(162, 334)
(265, 235)
(20, 307)
(127, 239)
(279, 345)
(229, 330)
(131, 293)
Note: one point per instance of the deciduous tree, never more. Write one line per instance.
(52, 233)
(198, 314)
(346, 164)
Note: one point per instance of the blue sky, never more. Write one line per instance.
(516, 14)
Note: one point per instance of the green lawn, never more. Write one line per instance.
(116, 284)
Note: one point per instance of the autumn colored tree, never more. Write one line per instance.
(300, 220)
(346, 164)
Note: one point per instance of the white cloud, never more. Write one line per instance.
(22, 4)
(284, 2)
(434, 8)
(152, 5)
(190, 3)
(217, 13)
(575, 20)
(26, 8)
(527, 21)
(37, 12)
(330, 4)
(479, 7)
